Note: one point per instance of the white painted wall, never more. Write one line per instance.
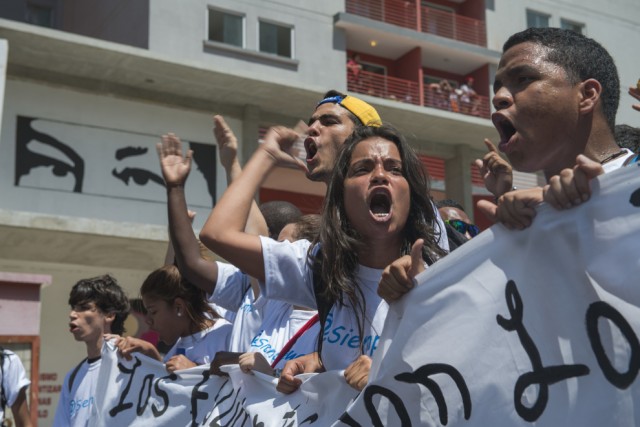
(78, 108)
(318, 47)
(614, 24)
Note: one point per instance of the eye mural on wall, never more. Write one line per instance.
(98, 161)
(139, 176)
(62, 160)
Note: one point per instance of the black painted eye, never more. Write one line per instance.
(139, 176)
(635, 198)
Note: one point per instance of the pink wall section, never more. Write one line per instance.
(20, 303)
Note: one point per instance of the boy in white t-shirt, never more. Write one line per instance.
(13, 388)
(99, 306)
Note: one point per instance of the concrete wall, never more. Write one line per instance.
(318, 53)
(96, 127)
(72, 235)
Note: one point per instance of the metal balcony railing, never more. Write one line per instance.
(402, 90)
(455, 101)
(424, 19)
(385, 87)
(452, 26)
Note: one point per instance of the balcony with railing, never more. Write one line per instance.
(387, 87)
(425, 19)
(407, 91)
(457, 101)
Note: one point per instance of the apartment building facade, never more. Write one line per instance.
(89, 85)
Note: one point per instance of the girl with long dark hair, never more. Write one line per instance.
(377, 206)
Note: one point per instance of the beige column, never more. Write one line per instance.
(458, 178)
(249, 137)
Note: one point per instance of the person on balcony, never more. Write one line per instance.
(354, 67)
(469, 100)
(443, 96)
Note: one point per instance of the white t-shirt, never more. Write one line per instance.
(233, 292)
(618, 162)
(306, 343)
(13, 378)
(288, 277)
(227, 315)
(262, 325)
(280, 324)
(202, 346)
(78, 405)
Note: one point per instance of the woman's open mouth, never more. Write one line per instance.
(380, 205)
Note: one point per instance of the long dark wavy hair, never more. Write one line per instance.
(336, 262)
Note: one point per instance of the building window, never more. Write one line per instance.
(39, 15)
(537, 19)
(571, 25)
(276, 39)
(226, 28)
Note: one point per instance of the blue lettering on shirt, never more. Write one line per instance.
(75, 406)
(262, 345)
(340, 336)
(247, 308)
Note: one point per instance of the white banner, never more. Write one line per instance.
(540, 327)
(515, 328)
(140, 392)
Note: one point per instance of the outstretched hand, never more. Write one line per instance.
(227, 142)
(174, 165)
(397, 278)
(495, 171)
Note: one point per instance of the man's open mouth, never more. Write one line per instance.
(504, 126)
(310, 147)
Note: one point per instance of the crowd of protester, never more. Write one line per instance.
(290, 281)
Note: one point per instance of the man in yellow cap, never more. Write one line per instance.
(332, 122)
(334, 119)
